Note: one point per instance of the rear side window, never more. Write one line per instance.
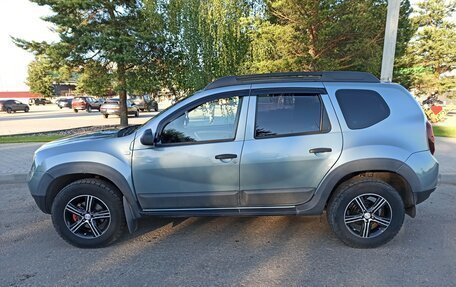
(362, 108)
(289, 114)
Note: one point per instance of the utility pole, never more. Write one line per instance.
(389, 46)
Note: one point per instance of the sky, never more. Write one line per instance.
(21, 18)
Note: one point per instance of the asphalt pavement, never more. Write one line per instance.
(227, 251)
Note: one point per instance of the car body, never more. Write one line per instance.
(64, 103)
(11, 106)
(112, 107)
(145, 103)
(85, 103)
(37, 101)
(272, 144)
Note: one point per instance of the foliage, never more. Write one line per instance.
(432, 50)
(95, 80)
(323, 35)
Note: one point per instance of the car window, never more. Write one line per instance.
(289, 114)
(214, 120)
(17, 102)
(362, 108)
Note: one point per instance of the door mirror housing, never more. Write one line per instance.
(148, 138)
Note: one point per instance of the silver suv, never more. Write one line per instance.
(273, 144)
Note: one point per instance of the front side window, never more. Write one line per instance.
(289, 114)
(214, 120)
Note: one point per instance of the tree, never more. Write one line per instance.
(95, 79)
(40, 77)
(205, 40)
(119, 34)
(432, 51)
(324, 35)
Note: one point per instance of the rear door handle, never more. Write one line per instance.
(320, 150)
(226, 156)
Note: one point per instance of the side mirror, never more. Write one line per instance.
(148, 138)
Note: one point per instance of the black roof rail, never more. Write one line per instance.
(345, 76)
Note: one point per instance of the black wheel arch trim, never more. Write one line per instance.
(50, 177)
(317, 203)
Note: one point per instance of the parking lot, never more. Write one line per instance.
(51, 118)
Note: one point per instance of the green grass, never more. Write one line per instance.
(28, 139)
(445, 131)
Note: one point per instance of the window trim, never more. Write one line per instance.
(241, 94)
(301, 92)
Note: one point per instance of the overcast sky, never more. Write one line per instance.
(21, 18)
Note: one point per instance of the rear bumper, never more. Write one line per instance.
(422, 195)
(426, 169)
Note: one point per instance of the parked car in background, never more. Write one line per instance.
(112, 107)
(64, 103)
(37, 101)
(10, 106)
(85, 103)
(145, 103)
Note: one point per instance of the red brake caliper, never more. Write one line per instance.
(75, 217)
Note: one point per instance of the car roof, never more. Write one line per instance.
(345, 76)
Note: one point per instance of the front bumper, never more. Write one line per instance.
(38, 184)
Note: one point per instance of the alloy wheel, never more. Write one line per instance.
(87, 216)
(368, 215)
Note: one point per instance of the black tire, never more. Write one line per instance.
(105, 198)
(137, 114)
(106, 116)
(75, 110)
(26, 109)
(368, 229)
(89, 109)
(9, 110)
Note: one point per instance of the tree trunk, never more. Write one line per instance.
(122, 95)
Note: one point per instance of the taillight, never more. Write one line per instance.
(430, 137)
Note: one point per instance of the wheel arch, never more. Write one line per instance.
(394, 172)
(62, 175)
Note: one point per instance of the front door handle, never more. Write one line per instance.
(226, 156)
(320, 150)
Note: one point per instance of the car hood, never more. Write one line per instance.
(81, 138)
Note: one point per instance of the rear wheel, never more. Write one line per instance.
(26, 109)
(9, 110)
(89, 109)
(365, 213)
(75, 110)
(106, 116)
(88, 213)
(137, 114)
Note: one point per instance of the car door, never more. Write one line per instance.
(292, 140)
(195, 162)
(19, 106)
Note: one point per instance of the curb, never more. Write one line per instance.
(446, 178)
(13, 178)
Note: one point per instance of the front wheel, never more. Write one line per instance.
(88, 213)
(89, 109)
(26, 109)
(75, 110)
(366, 213)
(9, 110)
(106, 116)
(137, 114)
